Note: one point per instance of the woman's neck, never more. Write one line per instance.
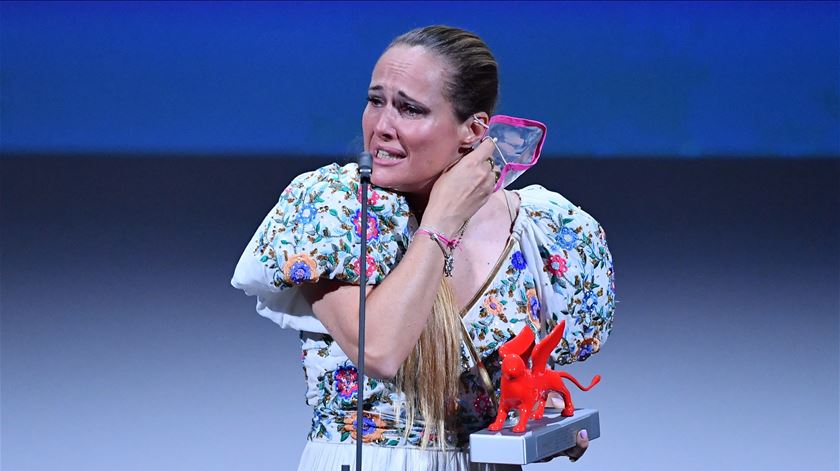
(418, 202)
(495, 211)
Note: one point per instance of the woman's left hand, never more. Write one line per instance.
(581, 440)
(581, 444)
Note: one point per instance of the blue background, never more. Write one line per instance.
(609, 79)
(717, 181)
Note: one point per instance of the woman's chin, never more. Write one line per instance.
(385, 179)
(385, 183)
(397, 181)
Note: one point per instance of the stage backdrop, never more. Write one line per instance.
(609, 79)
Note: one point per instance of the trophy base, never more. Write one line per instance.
(542, 438)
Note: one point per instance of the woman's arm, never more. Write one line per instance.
(397, 309)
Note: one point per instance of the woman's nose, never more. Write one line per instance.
(385, 125)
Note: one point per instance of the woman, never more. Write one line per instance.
(524, 258)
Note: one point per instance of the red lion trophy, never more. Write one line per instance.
(525, 390)
(522, 388)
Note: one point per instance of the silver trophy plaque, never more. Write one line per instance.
(543, 438)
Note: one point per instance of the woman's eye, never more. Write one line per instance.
(412, 110)
(374, 100)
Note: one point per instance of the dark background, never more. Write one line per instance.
(124, 211)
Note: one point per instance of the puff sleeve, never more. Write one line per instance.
(576, 277)
(314, 232)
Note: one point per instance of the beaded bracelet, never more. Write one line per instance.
(446, 245)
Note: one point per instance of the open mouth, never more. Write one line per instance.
(385, 155)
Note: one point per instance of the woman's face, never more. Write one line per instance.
(409, 127)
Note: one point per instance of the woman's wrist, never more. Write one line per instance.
(448, 226)
(445, 242)
(442, 213)
(448, 241)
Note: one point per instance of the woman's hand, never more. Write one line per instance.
(581, 444)
(581, 440)
(574, 453)
(461, 190)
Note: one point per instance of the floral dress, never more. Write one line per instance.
(555, 266)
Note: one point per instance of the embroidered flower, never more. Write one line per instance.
(373, 196)
(518, 260)
(346, 381)
(372, 426)
(372, 226)
(482, 403)
(556, 265)
(307, 213)
(590, 301)
(370, 267)
(299, 268)
(567, 238)
(492, 305)
(533, 305)
(587, 348)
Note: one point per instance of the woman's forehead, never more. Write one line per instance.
(414, 71)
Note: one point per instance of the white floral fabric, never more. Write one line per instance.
(556, 266)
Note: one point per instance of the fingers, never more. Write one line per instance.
(476, 169)
(482, 158)
(482, 151)
(461, 190)
(574, 453)
(581, 444)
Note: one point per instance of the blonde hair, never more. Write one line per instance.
(430, 375)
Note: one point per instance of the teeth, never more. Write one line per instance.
(385, 155)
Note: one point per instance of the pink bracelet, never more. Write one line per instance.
(451, 243)
(446, 246)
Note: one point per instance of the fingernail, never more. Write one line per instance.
(583, 435)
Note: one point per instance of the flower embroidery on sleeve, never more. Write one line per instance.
(307, 213)
(299, 268)
(373, 196)
(370, 267)
(372, 226)
(556, 265)
(566, 238)
(518, 260)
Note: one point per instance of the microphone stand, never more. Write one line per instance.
(365, 170)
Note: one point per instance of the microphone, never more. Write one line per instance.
(365, 169)
(365, 166)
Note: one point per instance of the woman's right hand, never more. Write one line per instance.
(461, 190)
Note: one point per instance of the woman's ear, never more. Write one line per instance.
(473, 128)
